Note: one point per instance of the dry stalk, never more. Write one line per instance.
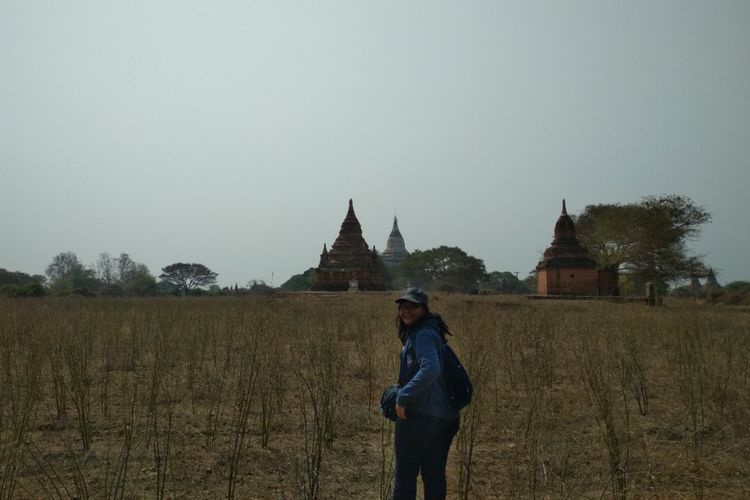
(77, 349)
(317, 370)
(271, 386)
(633, 372)
(693, 380)
(245, 389)
(387, 459)
(596, 378)
(116, 478)
(56, 358)
(19, 397)
(476, 356)
(160, 434)
(218, 374)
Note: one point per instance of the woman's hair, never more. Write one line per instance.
(403, 330)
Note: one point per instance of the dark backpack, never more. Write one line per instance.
(457, 381)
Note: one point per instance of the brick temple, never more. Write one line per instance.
(567, 268)
(349, 264)
(395, 249)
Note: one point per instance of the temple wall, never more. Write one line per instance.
(338, 280)
(568, 281)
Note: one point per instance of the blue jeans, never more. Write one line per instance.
(422, 443)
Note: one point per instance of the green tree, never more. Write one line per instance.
(67, 275)
(187, 278)
(259, 287)
(123, 276)
(505, 282)
(444, 268)
(105, 269)
(386, 276)
(140, 283)
(19, 278)
(300, 282)
(18, 284)
(647, 240)
(531, 281)
(738, 286)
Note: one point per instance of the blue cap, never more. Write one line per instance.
(413, 294)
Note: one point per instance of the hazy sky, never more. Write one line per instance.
(234, 133)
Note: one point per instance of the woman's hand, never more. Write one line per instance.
(401, 412)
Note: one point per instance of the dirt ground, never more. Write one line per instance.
(168, 398)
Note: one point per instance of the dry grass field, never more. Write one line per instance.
(277, 398)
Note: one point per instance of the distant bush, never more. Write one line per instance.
(738, 286)
(729, 297)
(10, 290)
(29, 290)
(300, 282)
(260, 288)
(682, 292)
(32, 290)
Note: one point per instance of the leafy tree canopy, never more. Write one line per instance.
(67, 275)
(300, 282)
(187, 277)
(19, 278)
(505, 282)
(32, 289)
(647, 240)
(259, 287)
(738, 286)
(446, 268)
(123, 276)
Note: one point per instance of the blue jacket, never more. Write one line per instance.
(421, 386)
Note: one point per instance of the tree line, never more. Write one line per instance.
(644, 241)
(448, 269)
(108, 276)
(639, 242)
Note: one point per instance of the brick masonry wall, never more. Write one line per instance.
(568, 281)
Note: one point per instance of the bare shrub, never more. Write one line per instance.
(159, 382)
(476, 355)
(244, 385)
(271, 384)
(19, 397)
(613, 422)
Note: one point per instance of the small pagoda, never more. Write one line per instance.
(711, 282)
(567, 268)
(349, 264)
(395, 250)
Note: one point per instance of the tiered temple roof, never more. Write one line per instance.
(395, 250)
(566, 250)
(349, 261)
(711, 281)
(568, 269)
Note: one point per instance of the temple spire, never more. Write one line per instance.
(349, 260)
(566, 267)
(395, 249)
(565, 230)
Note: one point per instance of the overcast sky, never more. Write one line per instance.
(234, 133)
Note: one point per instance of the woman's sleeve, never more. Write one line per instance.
(427, 348)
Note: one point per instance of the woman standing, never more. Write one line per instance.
(426, 420)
